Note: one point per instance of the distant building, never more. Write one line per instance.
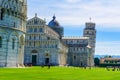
(47, 44)
(12, 32)
(79, 52)
(110, 61)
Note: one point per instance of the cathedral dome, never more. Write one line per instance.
(54, 23)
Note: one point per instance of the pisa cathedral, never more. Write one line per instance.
(46, 44)
(37, 43)
(43, 44)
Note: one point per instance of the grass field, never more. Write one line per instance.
(58, 73)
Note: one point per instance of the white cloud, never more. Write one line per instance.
(103, 12)
(109, 48)
(73, 1)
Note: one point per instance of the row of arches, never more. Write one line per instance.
(35, 29)
(11, 5)
(36, 21)
(13, 40)
(11, 47)
(12, 37)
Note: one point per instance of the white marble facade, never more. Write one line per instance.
(12, 32)
(43, 45)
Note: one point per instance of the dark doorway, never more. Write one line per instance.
(81, 64)
(46, 60)
(34, 60)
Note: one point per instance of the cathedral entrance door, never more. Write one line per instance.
(34, 59)
(46, 60)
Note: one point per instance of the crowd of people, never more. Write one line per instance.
(113, 68)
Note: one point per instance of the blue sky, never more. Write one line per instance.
(72, 15)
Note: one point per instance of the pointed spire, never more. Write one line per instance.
(90, 19)
(35, 14)
(54, 17)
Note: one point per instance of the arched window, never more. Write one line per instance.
(35, 30)
(34, 37)
(0, 42)
(74, 57)
(34, 44)
(30, 37)
(30, 30)
(39, 37)
(35, 21)
(30, 44)
(1, 14)
(14, 25)
(13, 43)
(41, 30)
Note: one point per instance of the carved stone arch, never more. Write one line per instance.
(22, 40)
(34, 51)
(11, 4)
(15, 4)
(47, 54)
(3, 38)
(20, 6)
(2, 3)
(13, 35)
(4, 34)
(6, 3)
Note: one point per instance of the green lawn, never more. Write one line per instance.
(58, 73)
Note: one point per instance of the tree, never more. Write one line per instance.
(96, 61)
(108, 56)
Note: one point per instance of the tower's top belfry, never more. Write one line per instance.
(13, 14)
(90, 31)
